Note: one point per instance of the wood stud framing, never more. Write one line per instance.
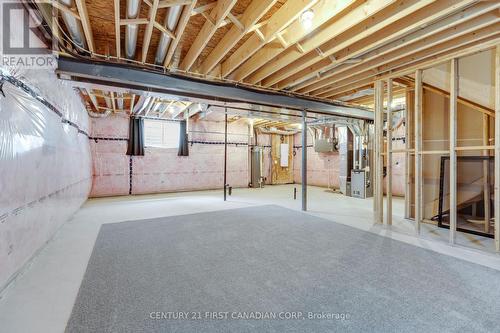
(497, 149)
(379, 147)
(418, 147)
(453, 144)
(389, 153)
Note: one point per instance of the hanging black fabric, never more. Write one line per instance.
(183, 139)
(136, 137)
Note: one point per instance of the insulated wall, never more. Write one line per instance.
(44, 163)
(322, 168)
(160, 169)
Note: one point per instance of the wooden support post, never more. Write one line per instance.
(379, 140)
(453, 152)
(497, 149)
(486, 174)
(418, 148)
(408, 107)
(388, 176)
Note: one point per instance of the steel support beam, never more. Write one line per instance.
(135, 77)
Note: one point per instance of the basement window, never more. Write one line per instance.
(161, 134)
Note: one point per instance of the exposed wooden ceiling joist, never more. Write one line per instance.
(252, 14)
(217, 14)
(87, 29)
(388, 25)
(379, 12)
(415, 52)
(179, 30)
(281, 19)
(303, 79)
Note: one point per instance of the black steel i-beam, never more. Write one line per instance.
(145, 79)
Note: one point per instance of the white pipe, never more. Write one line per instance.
(74, 26)
(131, 30)
(170, 23)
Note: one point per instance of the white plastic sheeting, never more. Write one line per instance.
(45, 166)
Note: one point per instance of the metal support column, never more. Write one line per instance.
(304, 160)
(225, 153)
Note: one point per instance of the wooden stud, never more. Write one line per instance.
(203, 8)
(433, 46)
(149, 30)
(87, 30)
(282, 40)
(388, 176)
(486, 175)
(379, 142)
(164, 30)
(217, 14)
(236, 22)
(179, 30)
(497, 149)
(249, 55)
(347, 29)
(117, 28)
(134, 21)
(253, 13)
(387, 38)
(171, 3)
(418, 147)
(453, 152)
(132, 101)
(59, 6)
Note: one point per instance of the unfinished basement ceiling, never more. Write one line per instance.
(327, 49)
(102, 101)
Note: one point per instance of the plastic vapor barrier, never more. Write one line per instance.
(45, 166)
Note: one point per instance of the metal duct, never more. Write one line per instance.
(74, 26)
(131, 30)
(93, 114)
(170, 23)
(277, 131)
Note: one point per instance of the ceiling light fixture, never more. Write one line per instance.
(306, 19)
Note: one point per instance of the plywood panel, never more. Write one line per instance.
(279, 174)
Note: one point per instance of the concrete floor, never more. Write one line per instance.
(41, 298)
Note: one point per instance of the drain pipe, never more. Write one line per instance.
(131, 30)
(170, 23)
(74, 26)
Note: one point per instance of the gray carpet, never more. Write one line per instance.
(266, 264)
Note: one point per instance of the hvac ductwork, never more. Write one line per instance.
(131, 30)
(277, 131)
(170, 23)
(74, 26)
